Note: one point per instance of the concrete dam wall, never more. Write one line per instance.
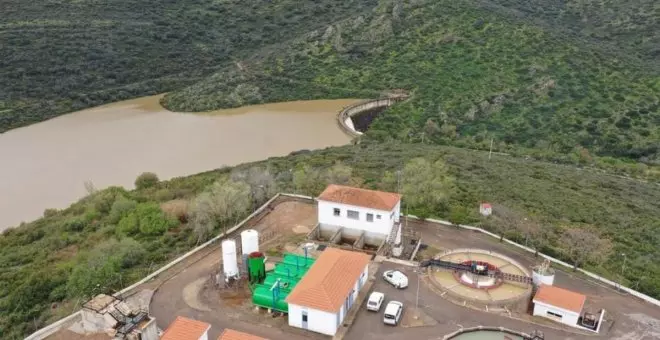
(344, 118)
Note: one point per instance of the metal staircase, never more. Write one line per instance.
(392, 236)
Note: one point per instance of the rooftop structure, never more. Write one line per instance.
(323, 297)
(563, 306)
(358, 214)
(186, 329)
(561, 298)
(358, 197)
(230, 334)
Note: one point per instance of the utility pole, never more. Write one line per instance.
(417, 297)
(490, 153)
(398, 181)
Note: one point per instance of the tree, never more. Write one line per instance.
(582, 245)
(431, 128)
(261, 181)
(146, 180)
(534, 233)
(100, 269)
(224, 202)
(308, 180)
(458, 214)
(389, 182)
(426, 187)
(148, 219)
(504, 220)
(338, 174)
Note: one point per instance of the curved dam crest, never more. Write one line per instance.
(346, 117)
(46, 165)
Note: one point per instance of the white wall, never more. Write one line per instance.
(379, 226)
(205, 336)
(325, 322)
(568, 317)
(317, 321)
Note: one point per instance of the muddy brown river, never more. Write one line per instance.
(46, 165)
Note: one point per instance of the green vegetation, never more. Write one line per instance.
(474, 75)
(114, 237)
(573, 82)
(62, 56)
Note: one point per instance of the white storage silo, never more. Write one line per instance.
(249, 241)
(229, 261)
(543, 274)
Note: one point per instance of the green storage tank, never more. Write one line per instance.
(263, 297)
(288, 270)
(285, 282)
(256, 267)
(297, 260)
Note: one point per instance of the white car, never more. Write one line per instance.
(396, 278)
(393, 313)
(375, 301)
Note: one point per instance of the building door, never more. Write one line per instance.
(304, 319)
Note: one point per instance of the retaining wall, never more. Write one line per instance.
(482, 328)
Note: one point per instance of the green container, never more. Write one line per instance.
(288, 270)
(256, 269)
(297, 260)
(263, 297)
(285, 282)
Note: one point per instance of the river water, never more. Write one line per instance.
(46, 165)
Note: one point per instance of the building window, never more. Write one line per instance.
(392, 215)
(336, 212)
(354, 215)
(554, 314)
(378, 217)
(304, 317)
(370, 217)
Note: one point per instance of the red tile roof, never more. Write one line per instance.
(379, 200)
(230, 334)
(330, 279)
(185, 329)
(561, 298)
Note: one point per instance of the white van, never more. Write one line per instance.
(393, 313)
(375, 301)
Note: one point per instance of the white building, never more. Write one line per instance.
(374, 212)
(186, 329)
(559, 304)
(485, 209)
(323, 297)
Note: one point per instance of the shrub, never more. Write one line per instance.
(120, 208)
(146, 180)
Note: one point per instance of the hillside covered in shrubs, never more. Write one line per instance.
(113, 237)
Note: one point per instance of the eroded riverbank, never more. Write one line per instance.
(46, 165)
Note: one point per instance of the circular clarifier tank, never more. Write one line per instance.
(494, 279)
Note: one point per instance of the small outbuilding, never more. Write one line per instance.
(559, 304)
(323, 297)
(230, 334)
(373, 212)
(485, 209)
(186, 329)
